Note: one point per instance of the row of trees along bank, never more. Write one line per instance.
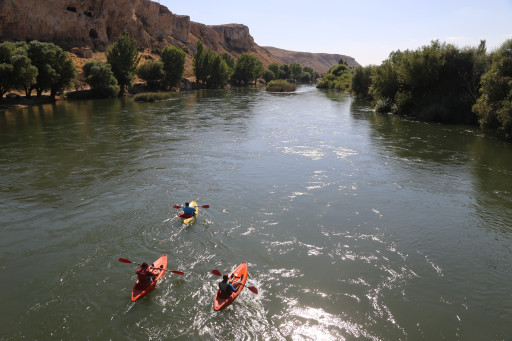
(46, 67)
(439, 83)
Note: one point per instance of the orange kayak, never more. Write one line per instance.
(237, 278)
(142, 289)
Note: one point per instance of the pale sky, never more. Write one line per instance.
(368, 30)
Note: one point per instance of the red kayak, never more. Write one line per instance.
(142, 289)
(237, 278)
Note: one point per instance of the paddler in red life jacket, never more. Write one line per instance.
(146, 276)
(226, 288)
(189, 210)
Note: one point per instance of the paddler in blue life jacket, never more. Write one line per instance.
(189, 210)
(226, 288)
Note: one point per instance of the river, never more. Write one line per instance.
(355, 225)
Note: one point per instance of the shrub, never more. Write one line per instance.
(152, 96)
(280, 85)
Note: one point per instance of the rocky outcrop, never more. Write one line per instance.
(85, 26)
(90, 23)
(320, 62)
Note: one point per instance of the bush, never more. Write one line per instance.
(280, 85)
(100, 77)
(153, 96)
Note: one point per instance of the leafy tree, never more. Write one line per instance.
(361, 81)
(200, 63)
(6, 67)
(230, 61)
(100, 77)
(338, 77)
(248, 68)
(306, 77)
(55, 68)
(284, 72)
(173, 60)
(268, 75)
(295, 71)
(16, 70)
(123, 57)
(274, 67)
(152, 72)
(494, 106)
(219, 72)
(313, 73)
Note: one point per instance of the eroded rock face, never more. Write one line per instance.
(91, 23)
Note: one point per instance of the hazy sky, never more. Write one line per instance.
(367, 30)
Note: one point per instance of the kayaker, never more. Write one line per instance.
(145, 274)
(226, 288)
(189, 210)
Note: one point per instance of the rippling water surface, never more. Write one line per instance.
(354, 225)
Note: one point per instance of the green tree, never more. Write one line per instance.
(16, 70)
(284, 72)
(123, 57)
(55, 68)
(361, 81)
(295, 71)
(268, 75)
(494, 106)
(173, 60)
(100, 77)
(247, 69)
(274, 67)
(230, 61)
(200, 63)
(152, 72)
(219, 73)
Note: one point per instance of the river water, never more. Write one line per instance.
(354, 225)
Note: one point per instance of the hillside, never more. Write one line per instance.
(320, 62)
(88, 27)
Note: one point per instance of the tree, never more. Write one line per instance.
(200, 63)
(230, 62)
(100, 77)
(268, 75)
(173, 60)
(16, 70)
(123, 57)
(494, 106)
(361, 81)
(152, 72)
(55, 68)
(6, 67)
(219, 73)
(295, 71)
(248, 68)
(284, 72)
(275, 69)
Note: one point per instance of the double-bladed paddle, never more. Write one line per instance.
(254, 290)
(204, 206)
(124, 260)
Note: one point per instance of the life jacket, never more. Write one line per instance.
(144, 275)
(225, 289)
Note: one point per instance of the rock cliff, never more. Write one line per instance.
(84, 26)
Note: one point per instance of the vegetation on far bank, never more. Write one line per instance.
(45, 67)
(439, 82)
